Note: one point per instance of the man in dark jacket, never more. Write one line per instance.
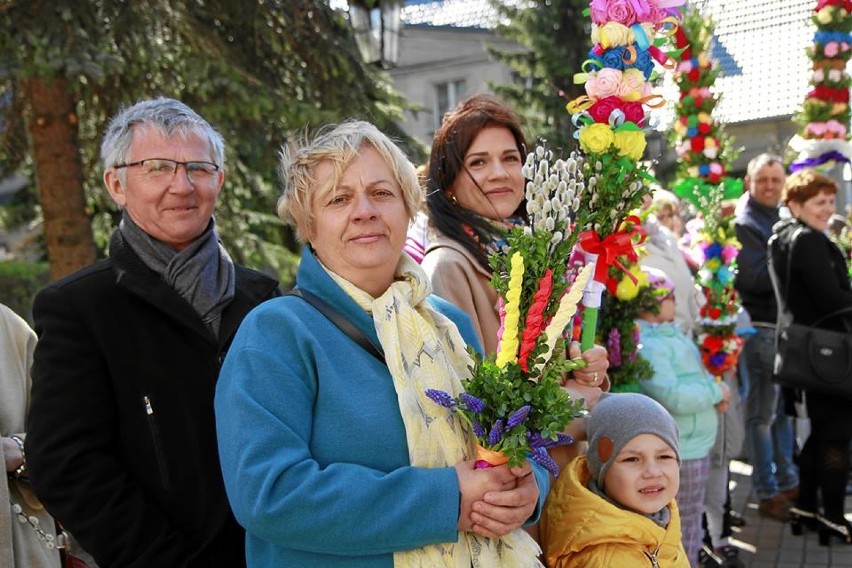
(121, 444)
(769, 432)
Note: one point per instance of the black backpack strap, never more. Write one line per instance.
(340, 321)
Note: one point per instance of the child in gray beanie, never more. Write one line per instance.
(615, 505)
(616, 420)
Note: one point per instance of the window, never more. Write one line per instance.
(448, 96)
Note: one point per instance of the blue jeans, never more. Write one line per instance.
(769, 431)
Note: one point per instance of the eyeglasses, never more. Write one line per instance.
(163, 170)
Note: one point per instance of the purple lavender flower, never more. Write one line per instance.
(541, 457)
(478, 428)
(472, 403)
(535, 440)
(518, 416)
(613, 347)
(563, 440)
(718, 359)
(637, 337)
(496, 433)
(441, 397)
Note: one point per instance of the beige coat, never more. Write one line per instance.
(664, 254)
(457, 277)
(19, 545)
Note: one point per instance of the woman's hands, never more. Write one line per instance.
(12, 454)
(597, 362)
(495, 500)
(722, 405)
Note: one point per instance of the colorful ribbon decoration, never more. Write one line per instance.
(620, 243)
(819, 160)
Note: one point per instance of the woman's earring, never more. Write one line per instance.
(452, 198)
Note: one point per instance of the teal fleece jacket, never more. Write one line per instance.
(312, 444)
(681, 384)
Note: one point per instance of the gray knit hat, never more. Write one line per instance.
(618, 418)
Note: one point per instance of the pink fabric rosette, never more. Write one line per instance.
(831, 49)
(623, 12)
(836, 128)
(604, 83)
(816, 129)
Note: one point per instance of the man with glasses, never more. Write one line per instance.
(121, 442)
(769, 432)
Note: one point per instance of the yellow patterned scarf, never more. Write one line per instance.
(424, 350)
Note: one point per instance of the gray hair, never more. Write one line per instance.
(336, 144)
(167, 116)
(758, 162)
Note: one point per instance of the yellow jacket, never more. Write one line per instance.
(580, 529)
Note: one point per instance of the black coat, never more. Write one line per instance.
(121, 442)
(818, 285)
(753, 228)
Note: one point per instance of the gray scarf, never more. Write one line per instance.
(202, 273)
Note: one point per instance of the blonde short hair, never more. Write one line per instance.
(336, 144)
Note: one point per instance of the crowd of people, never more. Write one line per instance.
(173, 408)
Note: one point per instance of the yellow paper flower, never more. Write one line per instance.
(630, 143)
(596, 138)
(612, 34)
(509, 340)
(627, 289)
(825, 16)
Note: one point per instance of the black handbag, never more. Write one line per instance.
(808, 357)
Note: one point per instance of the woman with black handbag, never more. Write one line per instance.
(813, 283)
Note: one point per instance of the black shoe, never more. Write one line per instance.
(735, 519)
(801, 520)
(706, 558)
(723, 557)
(730, 556)
(841, 530)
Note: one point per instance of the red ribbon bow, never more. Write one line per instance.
(845, 4)
(615, 245)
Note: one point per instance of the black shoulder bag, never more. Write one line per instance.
(343, 324)
(808, 357)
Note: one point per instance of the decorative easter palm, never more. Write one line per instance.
(704, 149)
(628, 37)
(824, 136)
(720, 346)
(513, 401)
(629, 294)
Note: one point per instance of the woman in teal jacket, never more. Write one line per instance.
(331, 456)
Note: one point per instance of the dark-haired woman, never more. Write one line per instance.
(474, 195)
(818, 285)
